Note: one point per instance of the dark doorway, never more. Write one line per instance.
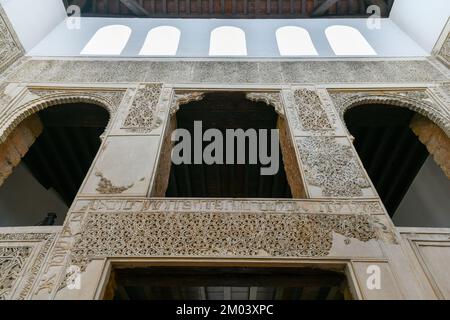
(207, 283)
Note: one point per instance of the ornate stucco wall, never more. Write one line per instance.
(340, 222)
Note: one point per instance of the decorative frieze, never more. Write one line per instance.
(229, 205)
(142, 116)
(214, 234)
(227, 72)
(332, 166)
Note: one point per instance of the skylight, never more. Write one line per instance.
(109, 40)
(161, 41)
(348, 41)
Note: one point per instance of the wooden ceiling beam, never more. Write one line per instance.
(135, 7)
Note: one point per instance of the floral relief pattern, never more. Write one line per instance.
(332, 166)
(311, 111)
(142, 114)
(134, 234)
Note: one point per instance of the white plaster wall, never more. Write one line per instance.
(426, 203)
(389, 41)
(33, 20)
(421, 20)
(25, 202)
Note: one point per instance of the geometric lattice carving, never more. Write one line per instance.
(142, 114)
(311, 111)
(416, 100)
(12, 262)
(214, 234)
(332, 166)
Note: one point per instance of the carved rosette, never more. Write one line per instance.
(416, 100)
(184, 97)
(268, 97)
(10, 50)
(142, 115)
(332, 166)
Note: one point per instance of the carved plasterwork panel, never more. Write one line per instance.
(10, 49)
(22, 256)
(311, 111)
(12, 264)
(416, 100)
(127, 234)
(332, 166)
(142, 115)
(268, 97)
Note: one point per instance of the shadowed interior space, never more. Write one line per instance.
(52, 170)
(237, 283)
(227, 110)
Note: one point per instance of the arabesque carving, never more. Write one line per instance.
(14, 257)
(126, 234)
(142, 114)
(311, 111)
(184, 97)
(268, 97)
(10, 50)
(332, 166)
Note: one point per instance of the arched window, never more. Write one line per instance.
(227, 41)
(109, 40)
(161, 41)
(348, 41)
(295, 41)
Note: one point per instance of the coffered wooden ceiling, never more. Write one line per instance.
(229, 8)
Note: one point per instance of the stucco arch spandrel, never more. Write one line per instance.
(35, 100)
(418, 101)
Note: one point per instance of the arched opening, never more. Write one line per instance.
(245, 131)
(161, 41)
(227, 41)
(348, 41)
(411, 185)
(295, 41)
(109, 40)
(44, 161)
